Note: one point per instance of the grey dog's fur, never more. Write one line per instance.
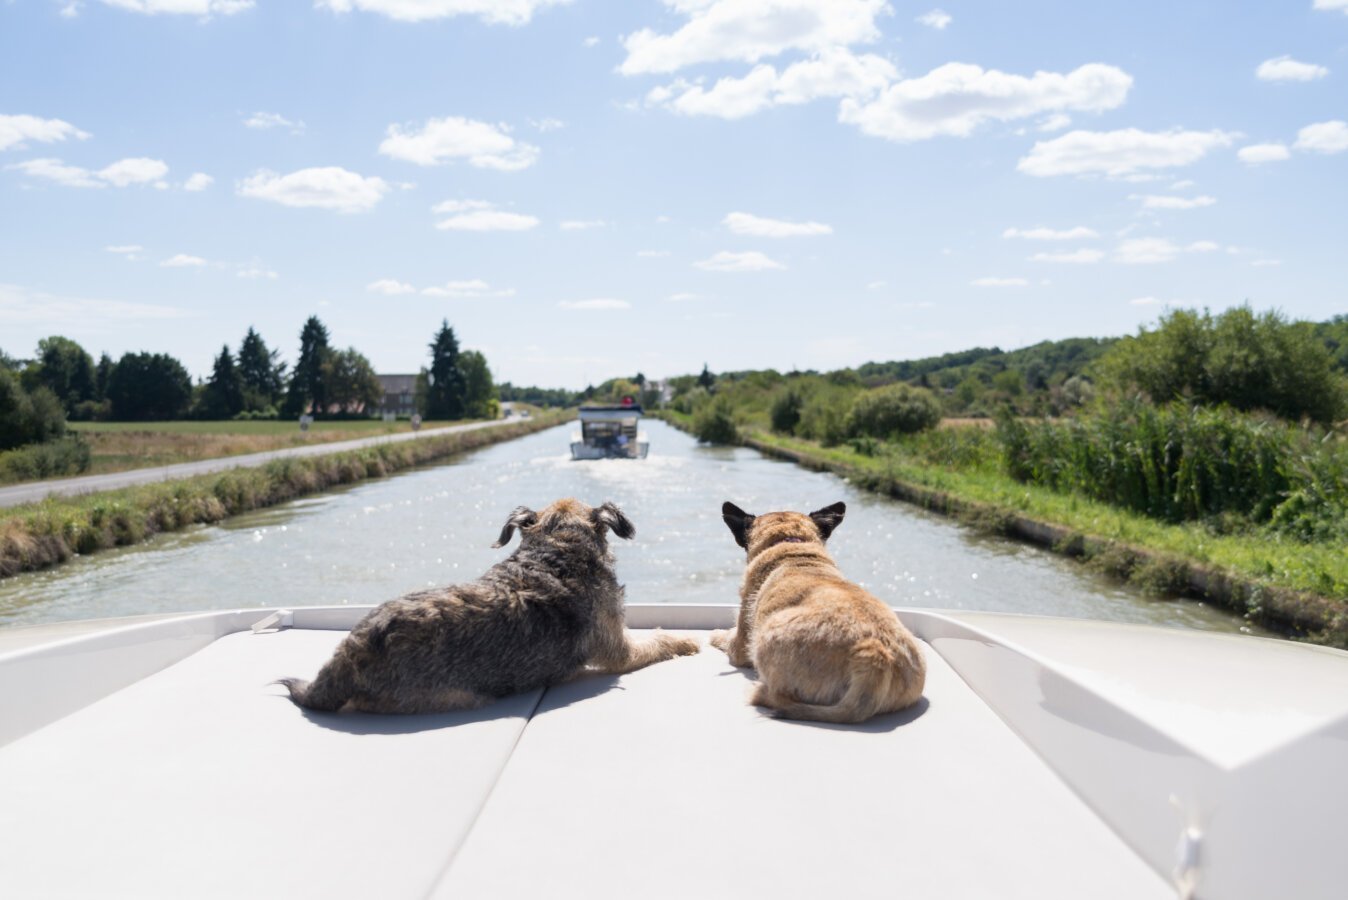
(546, 612)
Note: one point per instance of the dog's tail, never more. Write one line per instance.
(328, 692)
(880, 680)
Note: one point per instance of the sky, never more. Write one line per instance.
(587, 189)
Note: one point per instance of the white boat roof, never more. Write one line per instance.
(1047, 760)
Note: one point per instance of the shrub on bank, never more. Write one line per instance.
(714, 423)
(69, 455)
(892, 410)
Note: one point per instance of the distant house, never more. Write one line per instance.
(400, 394)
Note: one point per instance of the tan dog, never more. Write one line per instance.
(825, 649)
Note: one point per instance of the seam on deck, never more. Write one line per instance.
(477, 813)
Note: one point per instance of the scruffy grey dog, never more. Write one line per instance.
(546, 612)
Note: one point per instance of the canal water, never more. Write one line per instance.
(435, 525)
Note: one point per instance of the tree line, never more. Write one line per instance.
(62, 381)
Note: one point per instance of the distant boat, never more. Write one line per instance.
(610, 432)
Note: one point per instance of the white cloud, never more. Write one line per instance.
(993, 281)
(1120, 153)
(494, 12)
(1054, 122)
(591, 41)
(745, 223)
(750, 30)
(479, 215)
(937, 18)
(547, 124)
(475, 287)
(1263, 153)
(1146, 301)
(1324, 137)
(390, 287)
(122, 173)
(203, 8)
(1146, 251)
(1182, 185)
(128, 250)
(254, 272)
(21, 306)
(748, 261)
(833, 72)
(184, 261)
(439, 141)
(138, 170)
(265, 120)
(198, 182)
(1078, 233)
(875, 285)
(14, 130)
(682, 297)
(1284, 68)
(1340, 5)
(328, 187)
(954, 99)
(1165, 201)
(596, 303)
(652, 254)
(581, 224)
(1082, 256)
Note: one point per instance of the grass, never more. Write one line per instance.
(1278, 581)
(37, 535)
(121, 446)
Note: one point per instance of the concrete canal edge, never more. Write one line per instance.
(1319, 619)
(44, 534)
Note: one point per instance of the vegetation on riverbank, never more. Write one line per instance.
(38, 535)
(1206, 457)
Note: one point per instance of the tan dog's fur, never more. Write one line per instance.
(825, 649)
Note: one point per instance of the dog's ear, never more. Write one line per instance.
(738, 521)
(829, 518)
(609, 516)
(522, 517)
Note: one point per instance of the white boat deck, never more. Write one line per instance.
(200, 780)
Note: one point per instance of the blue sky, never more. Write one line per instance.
(586, 189)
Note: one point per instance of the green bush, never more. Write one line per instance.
(785, 412)
(714, 423)
(889, 411)
(64, 456)
(28, 417)
(1244, 360)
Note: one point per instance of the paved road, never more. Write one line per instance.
(87, 484)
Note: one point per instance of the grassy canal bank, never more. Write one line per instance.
(38, 535)
(1280, 583)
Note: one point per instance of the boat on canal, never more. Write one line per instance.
(610, 432)
(1050, 758)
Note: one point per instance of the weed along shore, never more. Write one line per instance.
(38, 535)
(1271, 584)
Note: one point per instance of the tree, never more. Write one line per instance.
(101, 376)
(149, 387)
(222, 397)
(1239, 358)
(306, 381)
(349, 382)
(706, 379)
(479, 394)
(445, 395)
(64, 367)
(261, 373)
(27, 417)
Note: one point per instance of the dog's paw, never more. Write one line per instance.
(678, 645)
(720, 639)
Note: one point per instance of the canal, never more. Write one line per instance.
(435, 525)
